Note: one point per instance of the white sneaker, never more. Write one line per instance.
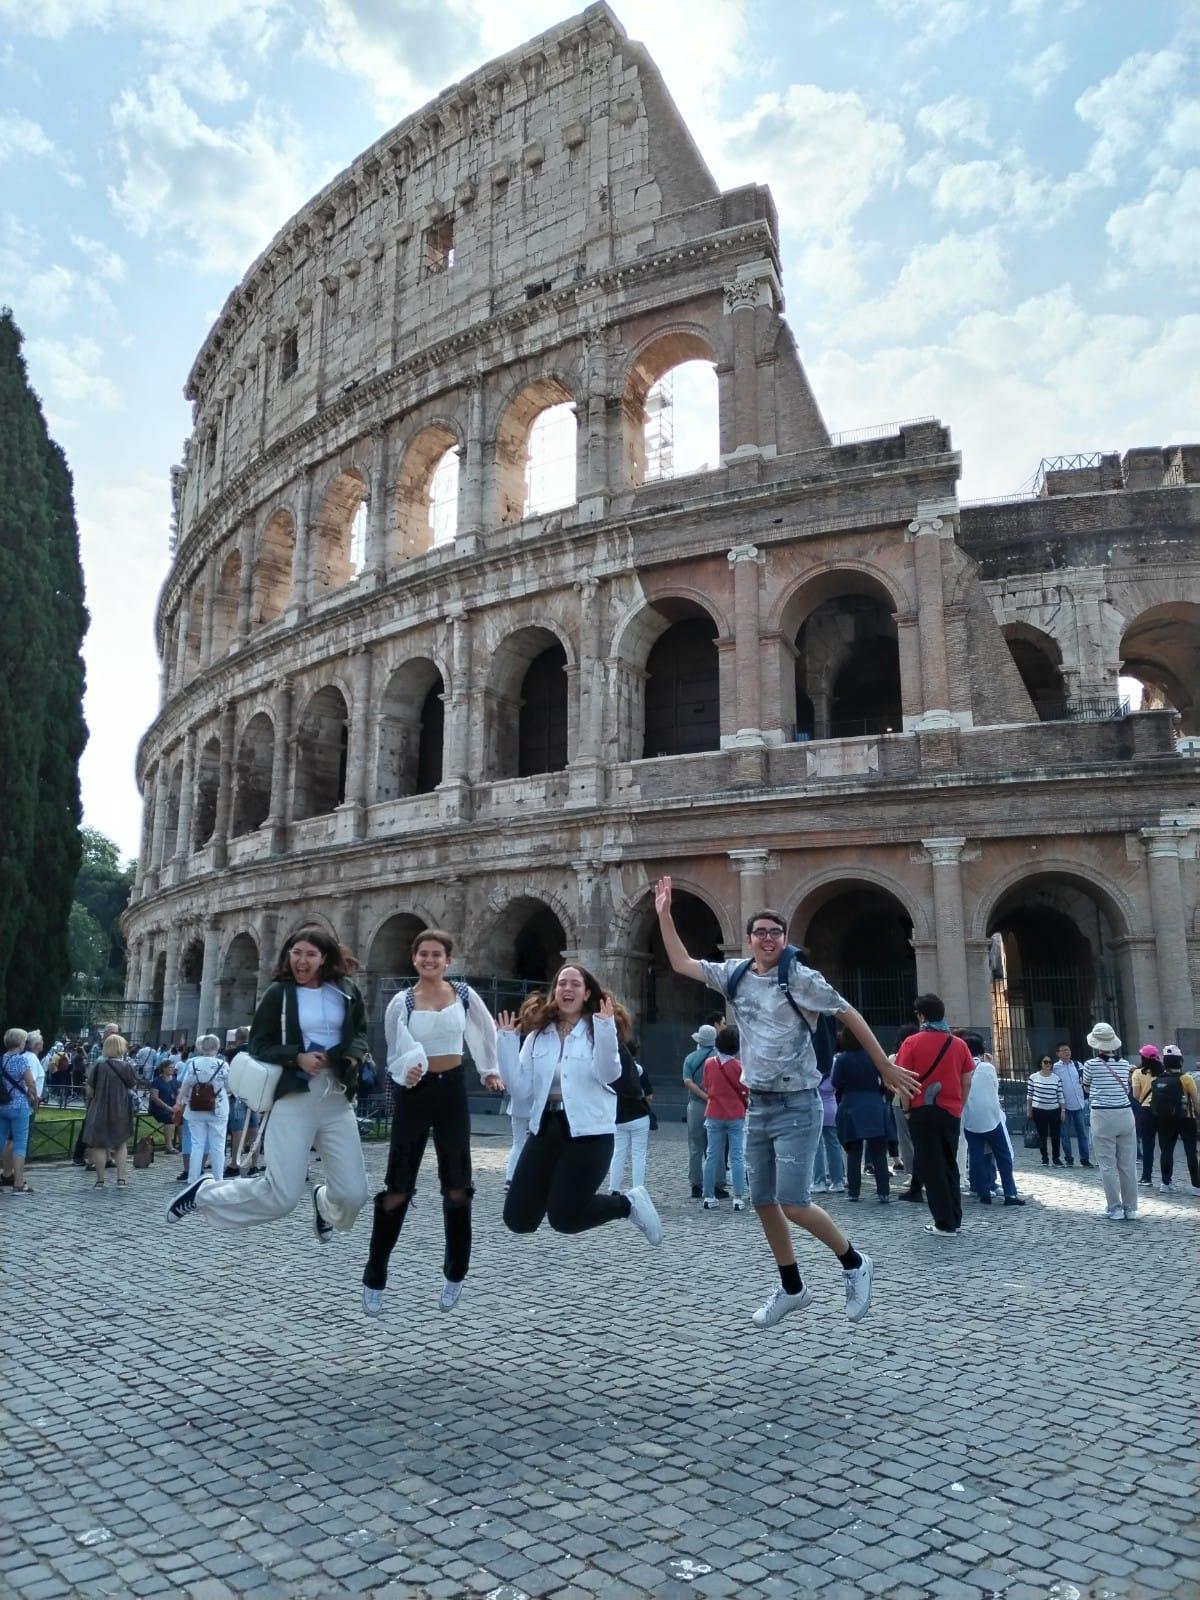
(322, 1227)
(858, 1289)
(1166, 1188)
(372, 1301)
(1113, 1214)
(643, 1214)
(941, 1233)
(740, 1205)
(778, 1306)
(450, 1296)
(1131, 1216)
(712, 1205)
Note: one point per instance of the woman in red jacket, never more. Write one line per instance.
(725, 1120)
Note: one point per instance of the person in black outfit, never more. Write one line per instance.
(862, 1120)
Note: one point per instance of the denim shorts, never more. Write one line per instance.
(14, 1124)
(782, 1134)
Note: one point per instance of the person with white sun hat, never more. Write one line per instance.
(1106, 1083)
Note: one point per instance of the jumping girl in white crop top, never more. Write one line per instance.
(427, 1028)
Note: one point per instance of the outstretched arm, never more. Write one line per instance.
(680, 961)
(896, 1078)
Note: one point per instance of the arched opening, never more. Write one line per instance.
(195, 633)
(526, 942)
(848, 670)
(333, 549)
(427, 492)
(208, 784)
(389, 968)
(273, 568)
(237, 986)
(671, 416)
(522, 735)
(225, 604)
(411, 728)
(682, 714)
(665, 997)
(860, 937)
(187, 998)
(1038, 658)
(1054, 968)
(322, 743)
(535, 452)
(1161, 650)
(255, 758)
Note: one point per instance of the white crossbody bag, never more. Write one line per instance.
(254, 1083)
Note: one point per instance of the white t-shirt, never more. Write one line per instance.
(322, 1012)
(983, 1110)
(776, 1047)
(29, 1057)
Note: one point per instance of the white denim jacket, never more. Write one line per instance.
(588, 1064)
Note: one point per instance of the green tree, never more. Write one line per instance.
(87, 946)
(103, 887)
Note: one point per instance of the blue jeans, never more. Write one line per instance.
(726, 1140)
(828, 1163)
(1075, 1123)
(782, 1133)
(979, 1147)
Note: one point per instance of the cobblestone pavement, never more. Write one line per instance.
(207, 1415)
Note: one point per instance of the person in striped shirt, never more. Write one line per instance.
(1046, 1105)
(1114, 1142)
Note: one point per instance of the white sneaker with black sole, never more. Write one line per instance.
(184, 1202)
(858, 1289)
(779, 1305)
(643, 1215)
(712, 1205)
(740, 1205)
(321, 1227)
(450, 1296)
(941, 1233)
(372, 1301)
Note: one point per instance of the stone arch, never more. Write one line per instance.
(1161, 648)
(840, 625)
(815, 889)
(857, 929)
(253, 770)
(272, 588)
(519, 412)
(331, 554)
(226, 601)
(237, 983)
(667, 682)
(1037, 656)
(640, 905)
(208, 783)
(411, 731)
(388, 942)
(658, 354)
(801, 597)
(187, 995)
(526, 937)
(1112, 898)
(424, 453)
(663, 1001)
(508, 731)
(322, 745)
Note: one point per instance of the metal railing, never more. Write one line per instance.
(849, 728)
(876, 430)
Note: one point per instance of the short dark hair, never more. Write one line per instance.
(771, 915)
(433, 936)
(930, 1007)
(728, 1040)
(973, 1042)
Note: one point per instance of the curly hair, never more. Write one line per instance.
(338, 962)
(540, 1011)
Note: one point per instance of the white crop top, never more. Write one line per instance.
(441, 1032)
(411, 1040)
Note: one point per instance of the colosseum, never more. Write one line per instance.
(451, 634)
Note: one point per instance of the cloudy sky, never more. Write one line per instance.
(990, 212)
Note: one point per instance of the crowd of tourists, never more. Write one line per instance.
(790, 1095)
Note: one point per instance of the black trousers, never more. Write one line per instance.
(877, 1155)
(437, 1105)
(1177, 1128)
(557, 1177)
(1049, 1126)
(1147, 1127)
(935, 1145)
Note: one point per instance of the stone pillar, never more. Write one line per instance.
(187, 785)
(171, 979)
(281, 808)
(594, 911)
(594, 456)
(586, 777)
(375, 563)
(908, 646)
(979, 985)
(455, 786)
(471, 486)
(1178, 1004)
(208, 616)
(268, 949)
(746, 559)
(145, 983)
(246, 593)
(358, 753)
(159, 836)
(756, 285)
(185, 627)
(300, 554)
(220, 840)
(752, 867)
(931, 528)
(945, 856)
(207, 1014)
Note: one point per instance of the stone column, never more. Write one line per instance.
(377, 511)
(945, 857)
(208, 617)
(300, 553)
(171, 980)
(752, 867)
(594, 911)
(220, 840)
(281, 808)
(159, 836)
(207, 1013)
(756, 285)
(455, 785)
(471, 474)
(268, 949)
(746, 559)
(185, 627)
(358, 754)
(246, 593)
(145, 985)
(931, 528)
(593, 457)
(187, 785)
(1178, 1004)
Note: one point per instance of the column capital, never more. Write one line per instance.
(457, 612)
(756, 284)
(1162, 842)
(934, 518)
(751, 861)
(946, 852)
(746, 553)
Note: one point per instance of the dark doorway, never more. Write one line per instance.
(542, 721)
(683, 700)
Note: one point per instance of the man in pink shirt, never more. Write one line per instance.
(725, 1120)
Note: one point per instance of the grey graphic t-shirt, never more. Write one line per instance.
(776, 1048)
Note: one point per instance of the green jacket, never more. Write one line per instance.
(279, 1044)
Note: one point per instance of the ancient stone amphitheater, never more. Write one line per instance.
(449, 638)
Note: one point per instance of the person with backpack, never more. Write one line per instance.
(943, 1067)
(1141, 1086)
(428, 1027)
(1106, 1080)
(725, 1120)
(202, 1105)
(18, 1102)
(1175, 1102)
(783, 1009)
(862, 1117)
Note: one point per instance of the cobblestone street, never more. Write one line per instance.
(204, 1414)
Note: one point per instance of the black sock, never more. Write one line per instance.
(790, 1277)
(851, 1259)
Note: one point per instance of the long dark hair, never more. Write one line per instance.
(540, 1011)
(338, 961)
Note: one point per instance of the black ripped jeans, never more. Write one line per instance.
(437, 1105)
(557, 1177)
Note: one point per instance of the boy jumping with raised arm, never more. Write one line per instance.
(780, 1068)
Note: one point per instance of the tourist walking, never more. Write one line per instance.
(428, 1028)
(109, 1119)
(567, 1065)
(986, 1130)
(862, 1116)
(1106, 1078)
(943, 1068)
(1044, 1103)
(1175, 1103)
(829, 1166)
(1074, 1123)
(1141, 1091)
(312, 1024)
(778, 1003)
(631, 1135)
(725, 1120)
(18, 1102)
(705, 1037)
(204, 1099)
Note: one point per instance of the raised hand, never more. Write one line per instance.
(606, 1009)
(662, 896)
(506, 1021)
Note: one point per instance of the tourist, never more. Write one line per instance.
(1044, 1103)
(18, 1102)
(204, 1097)
(705, 1037)
(1141, 1090)
(164, 1091)
(943, 1067)
(908, 1159)
(33, 1061)
(829, 1169)
(725, 1120)
(428, 1026)
(565, 1067)
(517, 1111)
(986, 1129)
(1175, 1103)
(1074, 1123)
(311, 1022)
(778, 1003)
(109, 1120)
(1106, 1079)
(862, 1119)
(631, 1135)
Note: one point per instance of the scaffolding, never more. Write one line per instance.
(660, 429)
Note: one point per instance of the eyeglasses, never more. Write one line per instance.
(766, 933)
(1046, 1061)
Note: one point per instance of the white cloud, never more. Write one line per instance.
(70, 374)
(1007, 187)
(178, 19)
(47, 296)
(936, 21)
(1182, 132)
(107, 262)
(1160, 233)
(1126, 107)
(956, 119)
(947, 276)
(218, 193)
(22, 139)
(1041, 74)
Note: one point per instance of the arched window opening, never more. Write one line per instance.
(525, 943)
(358, 540)
(535, 452)
(542, 721)
(410, 732)
(322, 744)
(682, 430)
(273, 568)
(860, 938)
(426, 492)
(683, 699)
(333, 533)
(237, 987)
(443, 499)
(225, 605)
(667, 999)
(1161, 650)
(255, 758)
(208, 783)
(550, 464)
(848, 670)
(1038, 659)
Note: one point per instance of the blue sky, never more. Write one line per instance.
(990, 212)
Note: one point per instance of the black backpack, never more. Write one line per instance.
(823, 1036)
(1166, 1097)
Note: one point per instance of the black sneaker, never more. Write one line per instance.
(911, 1194)
(697, 1192)
(185, 1203)
(984, 1199)
(322, 1229)
(721, 1194)
(1084, 1163)
(1013, 1200)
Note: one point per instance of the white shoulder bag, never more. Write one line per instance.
(254, 1083)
